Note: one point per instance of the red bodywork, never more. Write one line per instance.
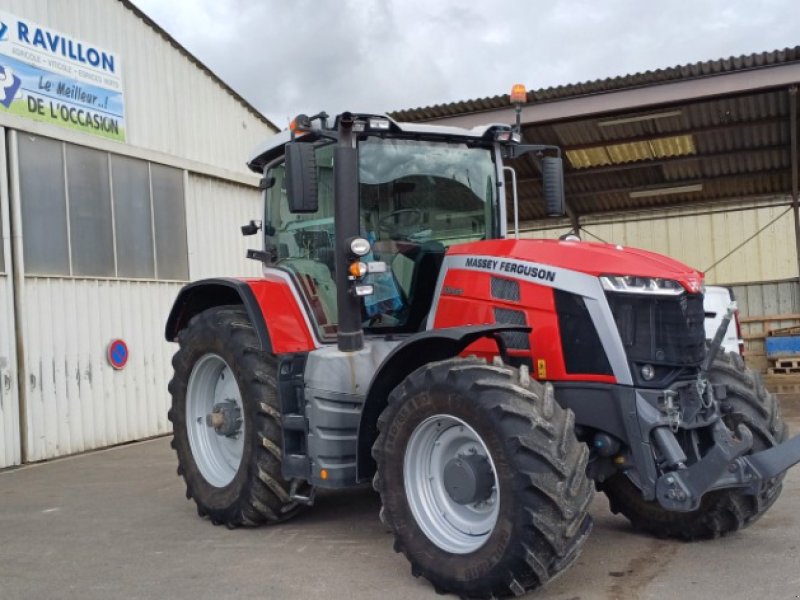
(588, 257)
(474, 304)
(283, 314)
(289, 329)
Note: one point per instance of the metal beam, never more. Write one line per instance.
(668, 134)
(670, 183)
(793, 142)
(640, 214)
(683, 91)
(674, 160)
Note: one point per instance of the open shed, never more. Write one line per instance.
(698, 161)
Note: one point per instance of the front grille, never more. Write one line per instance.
(661, 330)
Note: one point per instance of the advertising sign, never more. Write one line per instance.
(52, 77)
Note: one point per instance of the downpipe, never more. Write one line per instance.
(350, 336)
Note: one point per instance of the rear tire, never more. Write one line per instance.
(253, 491)
(723, 511)
(538, 472)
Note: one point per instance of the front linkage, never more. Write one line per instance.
(691, 405)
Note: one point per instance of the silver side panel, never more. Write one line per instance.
(336, 387)
(574, 282)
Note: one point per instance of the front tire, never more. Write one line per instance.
(512, 520)
(226, 421)
(721, 511)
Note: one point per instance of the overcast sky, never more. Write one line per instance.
(291, 56)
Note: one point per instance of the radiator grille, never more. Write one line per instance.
(661, 330)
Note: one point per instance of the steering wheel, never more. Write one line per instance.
(401, 223)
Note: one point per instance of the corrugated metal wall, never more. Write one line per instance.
(175, 113)
(215, 212)
(9, 404)
(760, 305)
(75, 401)
(772, 298)
(703, 237)
(171, 105)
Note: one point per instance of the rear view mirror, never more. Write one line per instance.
(553, 185)
(301, 177)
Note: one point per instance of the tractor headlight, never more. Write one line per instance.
(359, 246)
(633, 284)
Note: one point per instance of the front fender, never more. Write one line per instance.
(418, 350)
(197, 296)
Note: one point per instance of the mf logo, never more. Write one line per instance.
(9, 86)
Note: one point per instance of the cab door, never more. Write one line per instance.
(303, 244)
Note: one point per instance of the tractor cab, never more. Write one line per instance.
(416, 190)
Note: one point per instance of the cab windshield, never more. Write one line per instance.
(416, 198)
(422, 191)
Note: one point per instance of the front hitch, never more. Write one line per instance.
(726, 466)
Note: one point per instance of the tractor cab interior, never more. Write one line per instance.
(416, 198)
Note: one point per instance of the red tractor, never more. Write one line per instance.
(484, 385)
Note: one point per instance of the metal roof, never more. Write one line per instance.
(648, 78)
(192, 58)
(695, 133)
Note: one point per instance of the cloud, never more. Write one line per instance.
(306, 56)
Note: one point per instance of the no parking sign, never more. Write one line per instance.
(117, 354)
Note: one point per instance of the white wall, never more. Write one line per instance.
(75, 401)
(215, 211)
(175, 114)
(9, 406)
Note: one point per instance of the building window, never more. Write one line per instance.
(89, 213)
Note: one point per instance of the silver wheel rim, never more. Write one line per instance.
(212, 384)
(453, 527)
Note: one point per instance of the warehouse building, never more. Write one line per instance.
(698, 162)
(122, 176)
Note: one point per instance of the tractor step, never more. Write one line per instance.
(296, 464)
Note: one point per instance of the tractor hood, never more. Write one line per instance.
(587, 257)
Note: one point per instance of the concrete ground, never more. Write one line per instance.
(115, 524)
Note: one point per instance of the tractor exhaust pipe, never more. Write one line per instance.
(350, 336)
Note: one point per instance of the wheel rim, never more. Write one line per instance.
(453, 526)
(213, 410)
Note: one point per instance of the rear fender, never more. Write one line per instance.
(426, 347)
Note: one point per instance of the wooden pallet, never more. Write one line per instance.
(787, 365)
(784, 331)
(783, 371)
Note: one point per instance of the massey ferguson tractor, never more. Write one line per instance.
(485, 385)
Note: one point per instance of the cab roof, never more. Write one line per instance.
(272, 147)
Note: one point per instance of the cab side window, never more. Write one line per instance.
(305, 242)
